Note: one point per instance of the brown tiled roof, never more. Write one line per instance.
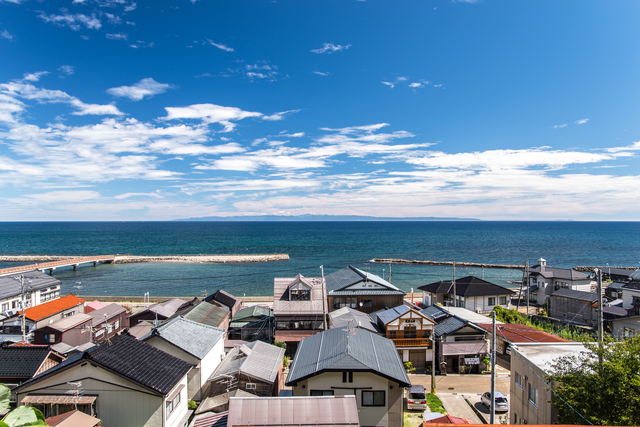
(49, 308)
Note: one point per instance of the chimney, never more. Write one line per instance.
(542, 263)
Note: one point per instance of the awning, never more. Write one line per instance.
(462, 348)
(35, 399)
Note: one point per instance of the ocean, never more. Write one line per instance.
(334, 245)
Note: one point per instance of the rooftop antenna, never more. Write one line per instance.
(77, 391)
(78, 287)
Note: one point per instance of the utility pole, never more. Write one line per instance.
(324, 300)
(389, 272)
(455, 296)
(526, 273)
(492, 415)
(433, 361)
(20, 279)
(600, 314)
(524, 279)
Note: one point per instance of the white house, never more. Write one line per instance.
(195, 343)
(470, 292)
(544, 280)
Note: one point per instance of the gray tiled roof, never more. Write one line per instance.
(466, 287)
(110, 310)
(35, 280)
(194, 338)
(337, 281)
(449, 325)
(392, 313)
(339, 350)
(434, 312)
(21, 362)
(556, 273)
(255, 359)
(635, 284)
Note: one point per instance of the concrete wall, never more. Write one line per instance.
(390, 415)
(195, 378)
(520, 406)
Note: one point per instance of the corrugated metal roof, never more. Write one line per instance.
(340, 350)
(167, 308)
(195, 338)
(577, 295)
(283, 306)
(522, 333)
(262, 361)
(298, 411)
(213, 402)
(252, 312)
(207, 314)
(211, 420)
(35, 280)
(110, 310)
(347, 317)
(70, 322)
(349, 276)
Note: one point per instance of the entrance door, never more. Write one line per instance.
(418, 358)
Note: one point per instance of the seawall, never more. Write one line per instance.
(128, 259)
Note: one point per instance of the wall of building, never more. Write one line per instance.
(176, 418)
(377, 302)
(569, 309)
(119, 403)
(368, 415)
(521, 408)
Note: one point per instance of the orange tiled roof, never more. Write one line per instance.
(50, 308)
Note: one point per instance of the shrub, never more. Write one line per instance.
(192, 404)
(280, 344)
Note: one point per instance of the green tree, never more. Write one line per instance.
(21, 416)
(602, 384)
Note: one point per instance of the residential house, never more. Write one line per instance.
(252, 323)
(617, 274)
(574, 307)
(39, 316)
(543, 280)
(226, 301)
(631, 298)
(348, 318)
(624, 321)
(298, 309)
(205, 313)
(470, 292)
(360, 290)
(411, 332)
(300, 411)
(39, 288)
(160, 311)
(19, 363)
(123, 381)
(73, 330)
(460, 344)
(613, 290)
(108, 321)
(140, 330)
(509, 335)
(530, 394)
(340, 362)
(195, 343)
(73, 418)
(255, 367)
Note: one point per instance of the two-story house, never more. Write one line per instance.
(39, 288)
(627, 323)
(544, 280)
(353, 362)
(411, 331)
(298, 309)
(360, 290)
(470, 292)
(123, 381)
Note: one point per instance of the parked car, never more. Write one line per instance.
(416, 399)
(502, 404)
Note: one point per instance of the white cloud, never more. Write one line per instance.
(113, 19)
(330, 47)
(7, 35)
(320, 73)
(94, 109)
(75, 22)
(633, 147)
(210, 113)
(279, 116)
(67, 70)
(147, 87)
(155, 194)
(560, 126)
(130, 7)
(117, 36)
(141, 43)
(221, 46)
(63, 196)
(415, 84)
(581, 121)
(34, 77)
(389, 84)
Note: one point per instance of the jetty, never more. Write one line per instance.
(48, 263)
(447, 263)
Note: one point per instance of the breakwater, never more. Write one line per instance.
(448, 263)
(128, 259)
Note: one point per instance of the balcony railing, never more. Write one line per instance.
(412, 342)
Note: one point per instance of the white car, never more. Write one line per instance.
(502, 404)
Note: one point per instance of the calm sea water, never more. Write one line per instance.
(334, 245)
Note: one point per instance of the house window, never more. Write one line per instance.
(347, 377)
(50, 338)
(503, 300)
(492, 301)
(321, 393)
(533, 395)
(372, 398)
(392, 335)
(534, 280)
(250, 386)
(628, 332)
(14, 304)
(299, 292)
(367, 303)
(5, 306)
(339, 302)
(117, 325)
(410, 331)
(176, 400)
(518, 379)
(169, 408)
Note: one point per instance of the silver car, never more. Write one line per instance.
(502, 404)
(416, 399)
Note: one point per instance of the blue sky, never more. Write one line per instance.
(499, 110)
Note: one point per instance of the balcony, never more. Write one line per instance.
(411, 342)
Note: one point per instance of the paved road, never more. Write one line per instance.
(458, 407)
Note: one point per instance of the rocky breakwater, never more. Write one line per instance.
(36, 258)
(447, 263)
(127, 259)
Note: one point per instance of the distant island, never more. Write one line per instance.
(309, 217)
